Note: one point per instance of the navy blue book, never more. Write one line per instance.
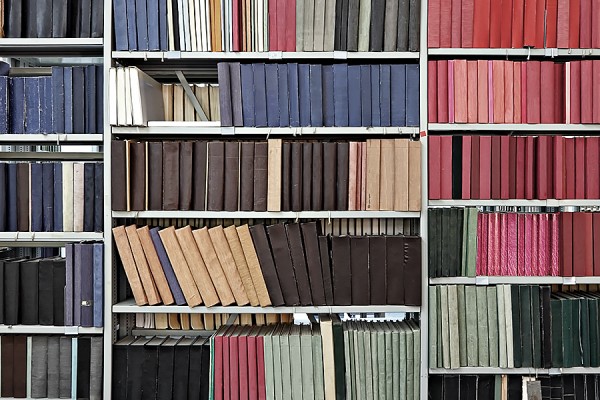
(365, 95)
(68, 85)
(247, 94)
(385, 95)
(294, 95)
(316, 95)
(283, 95)
(141, 18)
(225, 94)
(412, 95)
(99, 99)
(88, 197)
(131, 25)
(272, 88)
(36, 203)
(98, 196)
(17, 105)
(260, 95)
(86, 272)
(162, 25)
(90, 99)
(354, 106)
(235, 77)
(58, 197)
(328, 99)
(79, 100)
(42, 104)
(375, 108)
(48, 196)
(398, 94)
(11, 200)
(97, 20)
(167, 267)
(153, 24)
(85, 15)
(4, 128)
(304, 93)
(3, 196)
(340, 94)
(98, 266)
(120, 23)
(32, 105)
(48, 101)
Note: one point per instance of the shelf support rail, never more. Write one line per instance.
(191, 96)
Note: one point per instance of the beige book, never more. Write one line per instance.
(209, 322)
(217, 318)
(78, 197)
(203, 98)
(259, 319)
(167, 91)
(178, 103)
(180, 267)
(144, 93)
(214, 266)
(113, 102)
(192, 22)
(274, 181)
(240, 261)
(373, 174)
(170, 26)
(254, 266)
(215, 113)
(328, 357)
(67, 180)
(197, 267)
(386, 177)
(272, 319)
(401, 188)
(155, 266)
(142, 265)
(246, 319)
(185, 321)
(196, 321)
(174, 321)
(221, 246)
(121, 94)
(414, 176)
(128, 262)
(189, 112)
(161, 321)
(352, 177)
(363, 176)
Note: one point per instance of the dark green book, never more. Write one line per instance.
(338, 355)
(516, 315)
(458, 236)
(567, 333)
(545, 311)
(557, 340)
(585, 330)
(527, 325)
(445, 260)
(536, 343)
(593, 312)
(434, 241)
(576, 316)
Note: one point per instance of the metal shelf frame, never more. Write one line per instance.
(266, 215)
(46, 239)
(521, 128)
(513, 371)
(51, 47)
(48, 330)
(512, 53)
(167, 56)
(515, 203)
(51, 139)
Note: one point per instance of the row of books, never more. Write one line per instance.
(57, 19)
(51, 367)
(209, 322)
(514, 24)
(342, 95)
(51, 197)
(284, 264)
(379, 174)
(178, 106)
(514, 167)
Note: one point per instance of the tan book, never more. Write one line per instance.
(386, 176)
(259, 319)
(240, 261)
(180, 267)
(352, 176)
(272, 319)
(158, 274)
(373, 174)
(142, 265)
(414, 176)
(196, 321)
(216, 32)
(203, 98)
(174, 321)
(209, 322)
(213, 265)
(328, 356)
(215, 113)
(401, 188)
(197, 266)
(254, 266)
(189, 112)
(78, 197)
(67, 180)
(274, 181)
(167, 91)
(363, 176)
(185, 321)
(161, 321)
(221, 246)
(128, 262)
(178, 103)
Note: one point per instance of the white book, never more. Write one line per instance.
(262, 10)
(207, 31)
(67, 179)
(502, 359)
(198, 26)
(186, 25)
(112, 93)
(170, 26)
(78, 196)
(510, 361)
(146, 96)
(192, 16)
(121, 97)
(180, 17)
(128, 114)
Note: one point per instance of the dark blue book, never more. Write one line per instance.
(398, 94)
(154, 24)
(365, 95)
(304, 93)
(97, 20)
(99, 99)
(272, 84)
(141, 22)
(328, 99)
(79, 100)
(260, 95)
(283, 95)
(36, 203)
(98, 196)
(11, 200)
(68, 94)
(225, 94)
(84, 277)
(316, 95)
(47, 102)
(90, 99)
(4, 111)
(69, 292)
(32, 105)
(58, 197)
(375, 109)
(294, 95)
(385, 95)
(98, 302)
(340, 94)
(88, 197)
(354, 103)
(3, 196)
(132, 26)
(162, 25)
(48, 196)
(412, 95)
(17, 105)
(235, 76)
(247, 78)
(167, 267)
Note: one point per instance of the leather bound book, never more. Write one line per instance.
(412, 270)
(530, 29)
(551, 24)
(216, 176)
(199, 165)
(296, 249)
(547, 87)
(129, 266)
(142, 265)
(442, 91)
(7, 363)
(155, 178)
(395, 269)
(456, 24)
(232, 175)
(509, 92)
(342, 178)
(592, 191)
(283, 263)
(20, 366)
(241, 264)
(11, 292)
(165, 264)
(317, 177)
(155, 266)
(460, 91)
(185, 175)
(225, 99)
(247, 176)
(47, 197)
(58, 291)
(307, 175)
(313, 262)
(324, 251)
(586, 94)
(137, 180)
(88, 197)
(28, 292)
(359, 270)
(595, 87)
(261, 155)
(496, 168)
(83, 367)
(467, 11)
(472, 91)
(341, 270)
(274, 175)
(118, 175)
(482, 91)
(267, 265)
(23, 197)
(296, 176)
(435, 167)
(562, 24)
(35, 197)
(533, 92)
(377, 270)
(498, 91)
(46, 292)
(286, 176)
(583, 264)
(254, 266)
(329, 175)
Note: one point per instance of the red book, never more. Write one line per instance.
(511, 244)
(517, 90)
(482, 233)
(482, 92)
(445, 24)
(481, 24)
(273, 33)
(504, 166)
(595, 91)
(595, 24)
(585, 24)
(512, 167)
(575, 91)
(290, 29)
(540, 15)
(234, 369)
(542, 168)
(569, 172)
(503, 230)
(596, 241)
(432, 100)
(508, 92)
(460, 91)
(559, 93)
(566, 241)
(495, 23)
(218, 367)
(517, 24)
(587, 115)
(529, 167)
(435, 155)
(243, 367)
(475, 163)
(507, 15)
(583, 234)
(451, 91)
(282, 19)
(260, 358)
(551, 20)
(574, 19)
(520, 170)
(485, 167)
(562, 24)
(494, 253)
(535, 233)
(496, 165)
(466, 167)
(442, 91)
(580, 168)
(472, 92)
(456, 24)
(446, 167)
(433, 24)
(530, 21)
(226, 366)
(543, 246)
(547, 86)
(490, 91)
(549, 149)
(559, 167)
(592, 177)
(533, 92)
(235, 17)
(252, 361)
(528, 244)
(468, 8)
(523, 92)
(498, 87)
(555, 245)
(521, 245)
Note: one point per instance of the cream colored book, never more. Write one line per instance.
(178, 103)
(121, 91)
(202, 95)
(254, 266)
(170, 26)
(401, 188)
(215, 113)
(209, 322)
(67, 180)
(129, 266)
(128, 99)
(196, 321)
(167, 91)
(373, 168)
(240, 261)
(78, 196)
(161, 321)
(113, 96)
(274, 181)
(142, 266)
(174, 321)
(193, 22)
(189, 112)
(386, 177)
(145, 92)
(328, 357)
(223, 251)
(158, 273)
(414, 176)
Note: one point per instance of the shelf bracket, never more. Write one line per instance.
(191, 96)
(231, 319)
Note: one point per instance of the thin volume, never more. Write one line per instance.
(267, 265)
(254, 266)
(142, 265)
(199, 162)
(128, 261)
(241, 264)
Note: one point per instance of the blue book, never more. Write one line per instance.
(79, 100)
(120, 15)
(88, 197)
(58, 197)
(83, 285)
(36, 203)
(294, 95)
(68, 93)
(3, 196)
(153, 24)
(98, 303)
(375, 108)
(17, 105)
(365, 95)
(90, 99)
(385, 95)
(340, 94)
(283, 95)
(398, 94)
(354, 106)
(99, 99)
(142, 24)
(11, 200)
(247, 94)
(260, 95)
(328, 99)
(131, 25)
(98, 197)
(162, 24)
(316, 95)
(58, 100)
(412, 95)
(304, 93)
(235, 77)
(69, 294)
(225, 94)
(32, 105)
(167, 267)
(4, 117)
(272, 89)
(47, 100)
(48, 196)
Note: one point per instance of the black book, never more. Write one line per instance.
(98, 19)
(352, 41)
(296, 249)
(326, 265)
(84, 348)
(98, 197)
(150, 369)
(377, 25)
(403, 26)
(3, 196)
(88, 196)
(2, 290)
(90, 99)
(58, 292)
(11, 291)
(195, 377)
(286, 176)
(46, 292)
(13, 18)
(28, 292)
(359, 266)
(166, 359)
(456, 167)
(30, 20)
(341, 270)
(74, 20)
(44, 18)
(48, 196)
(85, 30)
(414, 25)
(119, 367)
(181, 369)
(283, 264)
(59, 18)
(204, 378)
(267, 265)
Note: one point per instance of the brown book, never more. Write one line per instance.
(197, 266)
(196, 322)
(267, 265)
(117, 173)
(241, 264)
(341, 270)
(185, 175)
(7, 365)
(216, 176)
(363, 176)
(158, 273)
(142, 265)
(353, 177)
(377, 256)
(296, 178)
(329, 175)
(209, 322)
(294, 239)
(180, 267)
(221, 246)
(232, 175)
(307, 177)
(199, 176)
(386, 176)
(343, 154)
(170, 176)
(185, 321)
(359, 269)
(326, 269)
(155, 177)
(401, 188)
(274, 176)
(174, 321)
(286, 176)
(414, 176)
(254, 266)
(373, 169)
(213, 265)
(313, 262)
(20, 367)
(317, 177)
(22, 197)
(283, 264)
(161, 321)
(412, 271)
(137, 187)
(247, 177)
(395, 264)
(129, 266)
(261, 156)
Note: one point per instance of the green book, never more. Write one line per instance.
(526, 325)
(277, 367)
(317, 356)
(388, 358)
(403, 360)
(462, 326)
(464, 244)
(568, 333)
(368, 361)
(446, 233)
(472, 243)
(508, 317)
(410, 361)
(516, 322)
(585, 331)
(266, 333)
(472, 326)
(457, 248)
(434, 241)
(286, 363)
(557, 329)
(307, 363)
(482, 327)
(433, 321)
(502, 357)
(593, 328)
(396, 362)
(536, 342)
(440, 342)
(348, 367)
(381, 359)
(445, 326)
(360, 362)
(492, 302)
(211, 379)
(416, 359)
(374, 358)
(453, 326)
(576, 332)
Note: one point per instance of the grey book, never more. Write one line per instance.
(374, 354)
(53, 367)
(329, 35)
(482, 327)
(295, 362)
(402, 25)
(502, 356)
(453, 326)
(410, 360)
(445, 327)
(64, 375)
(286, 370)
(353, 23)
(39, 366)
(433, 323)
(317, 356)
(364, 25)
(309, 20)
(319, 25)
(368, 351)
(277, 361)
(462, 326)
(307, 363)
(471, 321)
(414, 25)
(492, 315)
(96, 355)
(300, 26)
(390, 29)
(402, 356)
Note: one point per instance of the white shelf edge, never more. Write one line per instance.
(267, 55)
(503, 52)
(12, 238)
(515, 203)
(51, 155)
(265, 215)
(51, 138)
(49, 330)
(509, 280)
(548, 128)
(513, 371)
(205, 129)
(51, 42)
